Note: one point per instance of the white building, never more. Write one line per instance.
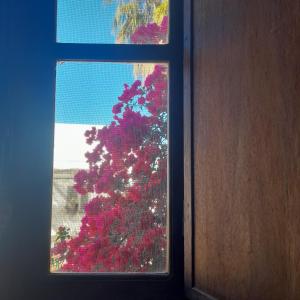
(69, 149)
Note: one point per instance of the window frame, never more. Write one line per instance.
(31, 53)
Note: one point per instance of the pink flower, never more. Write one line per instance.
(117, 108)
(90, 135)
(141, 100)
(151, 33)
(124, 219)
(131, 92)
(164, 25)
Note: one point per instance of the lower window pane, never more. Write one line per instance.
(109, 194)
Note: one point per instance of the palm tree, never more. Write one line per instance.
(130, 14)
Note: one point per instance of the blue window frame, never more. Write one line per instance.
(29, 53)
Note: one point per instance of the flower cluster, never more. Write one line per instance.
(151, 33)
(124, 225)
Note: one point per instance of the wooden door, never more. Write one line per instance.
(242, 171)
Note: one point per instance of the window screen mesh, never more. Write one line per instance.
(109, 196)
(113, 21)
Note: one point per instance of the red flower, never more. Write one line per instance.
(117, 108)
(124, 221)
(151, 33)
(141, 100)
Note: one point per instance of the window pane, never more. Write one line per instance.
(109, 195)
(113, 21)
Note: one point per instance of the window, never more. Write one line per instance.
(33, 57)
(119, 163)
(109, 22)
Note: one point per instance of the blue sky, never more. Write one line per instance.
(85, 21)
(86, 91)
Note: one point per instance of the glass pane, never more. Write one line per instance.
(113, 21)
(109, 194)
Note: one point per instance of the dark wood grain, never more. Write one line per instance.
(188, 168)
(196, 294)
(246, 118)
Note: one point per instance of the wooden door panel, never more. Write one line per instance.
(245, 149)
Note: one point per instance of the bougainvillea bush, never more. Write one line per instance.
(151, 33)
(124, 227)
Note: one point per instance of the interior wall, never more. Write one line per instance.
(246, 149)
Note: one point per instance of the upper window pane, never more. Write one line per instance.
(113, 21)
